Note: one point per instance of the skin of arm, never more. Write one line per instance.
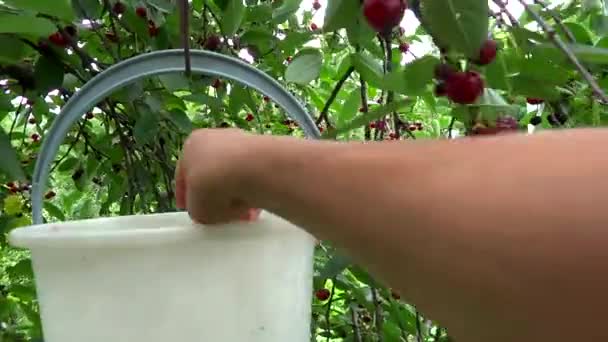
(499, 239)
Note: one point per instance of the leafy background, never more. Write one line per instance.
(119, 158)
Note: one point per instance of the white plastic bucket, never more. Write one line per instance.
(161, 278)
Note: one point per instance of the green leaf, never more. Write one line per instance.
(162, 5)
(580, 33)
(87, 9)
(22, 269)
(360, 33)
(17, 51)
(58, 8)
(369, 68)
(364, 119)
(305, 67)
(261, 39)
(68, 165)
(350, 107)
(135, 24)
(181, 120)
(5, 102)
(9, 163)
(174, 82)
(341, 14)
(334, 266)
(49, 74)
(13, 205)
(415, 77)
(497, 73)
(459, 25)
(26, 24)
(237, 98)
(288, 8)
(589, 54)
(146, 127)
(233, 16)
(54, 211)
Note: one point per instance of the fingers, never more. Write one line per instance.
(208, 209)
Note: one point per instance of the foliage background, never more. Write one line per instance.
(119, 159)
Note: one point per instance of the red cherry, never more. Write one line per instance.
(383, 15)
(314, 27)
(392, 136)
(404, 47)
(443, 71)
(487, 54)
(266, 99)
(372, 125)
(141, 12)
(212, 43)
(289, 59)
(217, 83)
(322, 294)
(464, 87)
(249, 117)
(152, 30)
(534, 101)
(35, 137)
(395, 295)
(49, 195)
(119, 8)
(316, 5)
(440, 90)
(58, 39)
(321, 129)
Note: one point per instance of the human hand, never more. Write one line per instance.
(211, 176)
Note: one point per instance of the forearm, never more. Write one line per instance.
(479, 234)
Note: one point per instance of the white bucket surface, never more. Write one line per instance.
(161, 278)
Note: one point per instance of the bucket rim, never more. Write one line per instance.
(140, 230)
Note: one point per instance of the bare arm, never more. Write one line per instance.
(500, 239)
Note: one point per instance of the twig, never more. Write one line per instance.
(418, 328)
(10, 133)
(451, 127)
(332, 97)
(108, 7)
(558, 21)
(67, 153)
(364, 101)
(503, 10)
(356, 329)
(219, 25)
(378, 314)
(328, 312)
(551, 35)
(184, 10)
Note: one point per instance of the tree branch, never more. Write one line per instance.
(356, 329)
(323, 116)
(328, 311)
(378, 320)
(503, 10)
(557, 41)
